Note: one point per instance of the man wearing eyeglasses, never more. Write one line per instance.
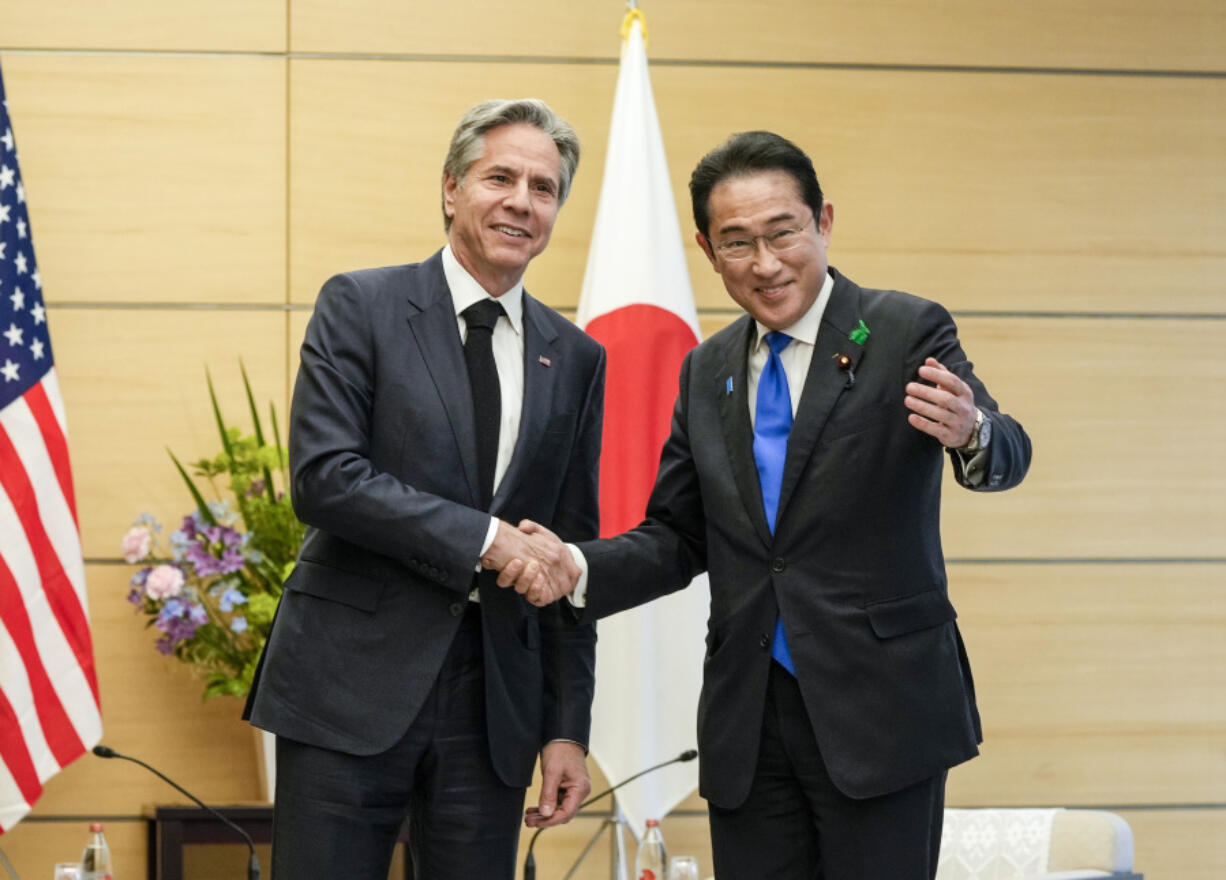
(803, 471)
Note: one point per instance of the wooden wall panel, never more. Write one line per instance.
(1126, 441)
(1097, 684)
(1179, 844)
(212, 25)
(1187, 35)
(1013, 192)
(133, 384)
(367, 147)
(153, 178)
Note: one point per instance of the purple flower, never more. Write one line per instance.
(179, 620)
(164, 646)
(136, 596)
(238, 624)
(217, 550)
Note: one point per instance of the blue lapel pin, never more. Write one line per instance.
(728, 387)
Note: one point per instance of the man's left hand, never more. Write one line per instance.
(564, 785)
(944, 409)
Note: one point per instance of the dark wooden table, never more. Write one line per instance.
(174, 827)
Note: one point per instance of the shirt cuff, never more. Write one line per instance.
(490, 534)
(563, 739)
(578, 599)
(974, 466)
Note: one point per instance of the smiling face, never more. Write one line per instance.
(502, 212)
(775, 288)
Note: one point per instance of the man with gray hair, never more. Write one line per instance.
(436, 405)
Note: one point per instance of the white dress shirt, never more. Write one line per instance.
(796, 357)
(508, 348)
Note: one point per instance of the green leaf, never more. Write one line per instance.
(276, 433)
(221, 425)
(205, 513)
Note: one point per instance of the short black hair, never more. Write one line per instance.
(750, 152)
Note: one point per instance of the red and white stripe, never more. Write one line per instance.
(49, 707)
(638, 303)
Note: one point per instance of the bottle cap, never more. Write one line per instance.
(95, 826)
(653, 823)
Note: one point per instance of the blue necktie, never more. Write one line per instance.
(772, 424)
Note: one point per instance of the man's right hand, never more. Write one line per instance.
(534, 561)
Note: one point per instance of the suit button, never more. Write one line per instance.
(765, 642)
(778, 564)
(457, 608)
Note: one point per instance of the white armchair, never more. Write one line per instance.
(1031, 844)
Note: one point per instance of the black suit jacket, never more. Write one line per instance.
(384, 468)
(855, 563)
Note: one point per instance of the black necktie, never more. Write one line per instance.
(481, 317)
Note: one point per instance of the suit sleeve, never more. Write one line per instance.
(1005, 462)
(664, 552)
(570, 648)
(336, 486)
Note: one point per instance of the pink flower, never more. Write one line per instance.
(163, 582)
(135, 544)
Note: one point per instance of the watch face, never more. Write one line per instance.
(985, 432)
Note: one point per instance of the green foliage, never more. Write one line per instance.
(214, 592)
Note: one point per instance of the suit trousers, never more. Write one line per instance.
(338, 815)
(796, 825)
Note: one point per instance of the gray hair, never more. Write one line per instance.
(468, 141)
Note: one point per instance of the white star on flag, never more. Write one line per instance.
(21, 228)
(7, 140)
(4, 213)
(7, 175)
(37, 279)
(9, 370)
(21, 193)
(19, 300)
(39, 313)
(21, 263)
(13, 334)
(36, 349)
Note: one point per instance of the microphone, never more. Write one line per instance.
(530, 860)
(253, 864)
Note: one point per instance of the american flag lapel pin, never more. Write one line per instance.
(728, 387)
(544, 361)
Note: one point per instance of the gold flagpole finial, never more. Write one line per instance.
(627, 22)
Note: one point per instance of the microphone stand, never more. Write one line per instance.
(253, 864)
(530, 860)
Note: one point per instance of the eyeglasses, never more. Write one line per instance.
(777, 242)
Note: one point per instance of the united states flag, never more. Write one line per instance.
(49, 709)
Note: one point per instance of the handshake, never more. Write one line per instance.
(533, 560)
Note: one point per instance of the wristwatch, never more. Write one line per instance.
(981, 434)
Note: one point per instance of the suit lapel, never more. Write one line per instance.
(541, 363)
(738, 432)
(825, 383)
(432, 322)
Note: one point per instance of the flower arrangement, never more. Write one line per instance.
(212, 588)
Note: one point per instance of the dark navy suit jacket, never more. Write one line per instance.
(384, 473)
(855, 563)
